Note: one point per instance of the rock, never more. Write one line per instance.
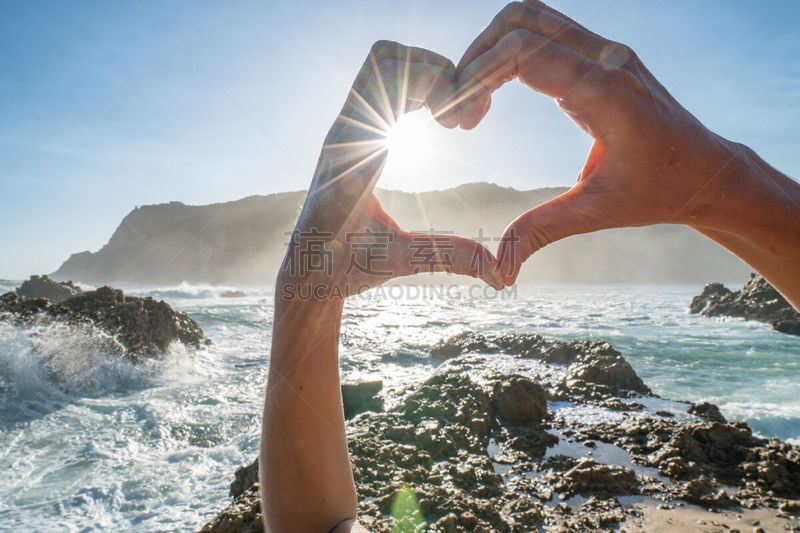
(521, 344)
(241, 516)
(791, 507)
(233, 294)
(595, 369)
(519, 400)
(615, 404)
(45, 287)
(704, 492)
(757, 300)
(603, 366)
(142, 327)
(589, 477)
(791, 326)
(474, 444)
(717, 448)
(709, 298)
(360, 397)
(244, 477)
(466, 342)
(436, 442)
(706, 410)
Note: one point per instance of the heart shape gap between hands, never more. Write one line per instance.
(642, 168)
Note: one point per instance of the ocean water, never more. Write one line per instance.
(92, 443)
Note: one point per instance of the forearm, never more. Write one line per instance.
(754, 211)
(306, 478)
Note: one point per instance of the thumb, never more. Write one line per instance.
(549, 222)
(423, 252)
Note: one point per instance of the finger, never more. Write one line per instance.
(420, 252)
(355, 146)
(397, 87)
(399, 62)
(539, 63)
(473, 105)
(411, 85)
(542, 225)
(540, 19)
(441, 99)
(391, 50)
(393, 80)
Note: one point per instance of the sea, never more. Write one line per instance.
(90, 442)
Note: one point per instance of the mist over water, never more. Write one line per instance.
(89, 442)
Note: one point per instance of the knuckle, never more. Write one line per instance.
(518, 39)
(383, 47)
(386, 64)
(622, 81)
(513, 11)
(616, 55)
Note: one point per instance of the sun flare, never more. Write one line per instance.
(408, 141)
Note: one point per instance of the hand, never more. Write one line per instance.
(651, 160)
(344, 243)
(356, 243)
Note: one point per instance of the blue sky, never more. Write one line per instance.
(109, 105)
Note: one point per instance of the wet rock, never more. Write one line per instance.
(615, 404)
(243, 515)
(15, 306)
(45, 287)
(475, 446)
(595, 514)
(705, 492)
(595, 370)
(589, 477)
(757, 300)
(435, 441)
(600, 372)
(466, 342)
(774, 468)
(706, 410)
(233, 294)
(524, 514)
(791, 507)
(790, 326)
(244, 477)
(361, 397)
(141, 327)
(718, 448)
(519, 400)
(521, 344)
(711, 297)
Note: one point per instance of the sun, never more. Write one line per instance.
(409, 146)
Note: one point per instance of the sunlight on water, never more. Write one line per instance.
(90, 443)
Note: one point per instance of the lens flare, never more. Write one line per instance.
(408, 143)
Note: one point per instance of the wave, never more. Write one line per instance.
(192, 291)
(53, 361)
(781, 420)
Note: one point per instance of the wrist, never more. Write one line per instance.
(747, 198)
(306, 299)
(716, 180)
(303, 328)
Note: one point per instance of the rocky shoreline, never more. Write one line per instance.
(757, 300)
(129, 326)
(515, 433)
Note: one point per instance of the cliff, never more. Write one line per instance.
(244, 241)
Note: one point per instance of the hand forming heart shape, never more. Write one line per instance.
(642, 169)
(363, 246)
(651, 162)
